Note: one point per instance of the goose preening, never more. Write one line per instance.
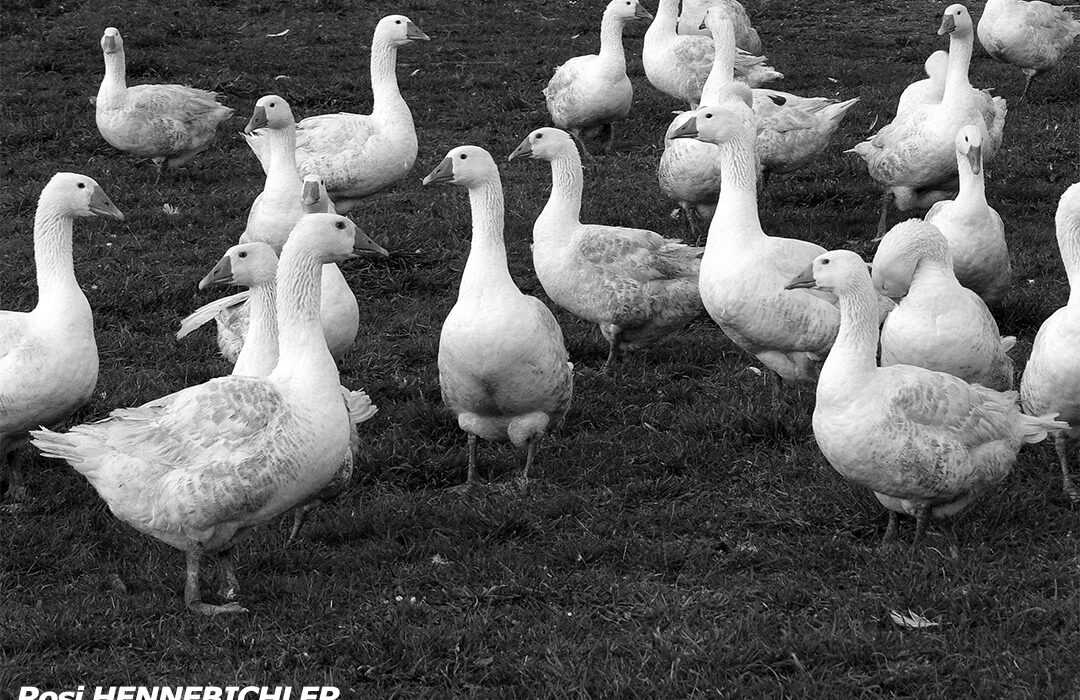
(198, 468)
(588, 93)
(973, 229)
(1051, 379)
(692, 14)
(254, 265)
(357, 155)
(503, 367)
(637, 285)
(170, 124)
(48, 356)
(679, 65)
(1033, 36)
(929, 89)
(927, 443)
(937, 323)
(913, 159)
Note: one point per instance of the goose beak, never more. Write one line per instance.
(101, 205)
(221, 274)
(948, 25)
(364, 247)
(108, 43)
(443, 172)
(641, 13)
(414, 33)
(258, 120)
(311, 193)
(803, 280)
(686, 130)
(524, 149)
(974, 157)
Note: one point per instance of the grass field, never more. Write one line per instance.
(682, 537)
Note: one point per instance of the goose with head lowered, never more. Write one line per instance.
(1033, 36)
(503, 367)
(927, 443)
(929, 89)
(637, 285)
(48, 356)
(200, 467)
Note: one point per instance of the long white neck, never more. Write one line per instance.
(854, 352)
(664, 21)
(282, 177)
(114, 84)
(259, 355)
(485, 270)
(1068, 236)
(931, 276)
(302, 356)
(956, 77)
(736, 219)
(563, 208)
(972, 187)
(611, 46)
(723, 67)
(53, 258)
(386, 97)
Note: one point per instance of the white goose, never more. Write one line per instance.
(199, 467)
(691, 21)
(588, 93)
(357, 155)
(937, 323)
(678, 65)
(636, 284)
(973, 229)
(48, 356)
(169, 123)
(927, 443)
(1051, 379)
(929, 89)
(914, 158)
(1033, 36)
(503, 366)
(254, 265)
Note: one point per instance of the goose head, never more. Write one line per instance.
(271, 111)
(955, 20)
(718, 21)
(314, 198)
(546, 143)
(245, 265)
(834, 271)
(398, 30)
(111, 42)
(328, 238)
(627, 10)
(467, 166)
(969, 144)
(936, 65)
(718, 124)
(900, 252)
(77, 196)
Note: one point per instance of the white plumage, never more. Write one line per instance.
(1033, 36)
(928, 90)
(692, 16)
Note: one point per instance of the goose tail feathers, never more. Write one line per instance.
(204, 314)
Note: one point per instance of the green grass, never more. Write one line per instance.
(682, 538)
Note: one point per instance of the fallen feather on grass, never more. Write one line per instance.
(911, 619)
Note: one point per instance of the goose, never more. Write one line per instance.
(973, 229)
(1051, 379)
(254, 265)
(198, 468)
(48, 356)
(170, 124)
(937, 323)
(588, 93)
(929, 89)
(678, 65)
(1033, 36)
(914, 158)
(927, 443)
(503, 367)
(693, 12)
(637, 285)
(357, 155)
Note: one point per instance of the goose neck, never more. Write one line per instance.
(611, 46)
(564, 205)
(722, 72)
(305, 355)
(736, 208)
(972, 186)
(956, 76)
(282, 176)
(854, 352)
(260, 351)
(384, 86)
(1069, 243)
(932, 275)
(52, 254)
(486, 270)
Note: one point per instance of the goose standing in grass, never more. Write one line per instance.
(679, 65)
(198, 468)
(929, 89)
(692, 15)
(1033, 36)
(927, 443)
(48, 356)
(973, 229)
(254, 265)
(588, 93)
(1051, 380)
(170, 124)
(637, 285)
(914, 158)
(937, 323)
(503, 367)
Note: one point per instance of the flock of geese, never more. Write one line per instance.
(914, 387)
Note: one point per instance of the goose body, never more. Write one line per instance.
(1051, 379)
(1033, 36)
(48, 356)
(973, 229)
(591, 92)
(637, 285)
(692, 15)
(169, 123)
(937, 323)
(199, 467)
(926, 442)
(503, 366)
(929, 89)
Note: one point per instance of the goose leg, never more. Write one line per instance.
(585, 155)
(299, 517)
(530, 456)
(613, 350)
(230, 588)
(192, 597)
(892, 532)
(886, 201)
(1027, 84)
(16, 489)
(1061, 442)
(922, 517)
(607, 137)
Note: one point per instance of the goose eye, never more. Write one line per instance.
(708, 116)
(339, 225)
(539, 136)
(463, 156)
(825, 261)
(82, 185)
(397, 21)
(243, 255)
